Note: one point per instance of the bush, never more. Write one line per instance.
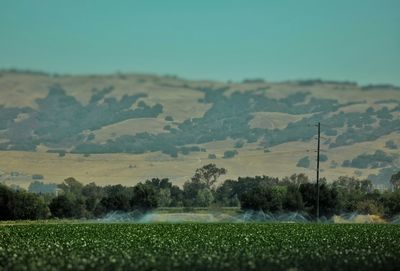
(230, 154)
(304, 162)
(239, 144)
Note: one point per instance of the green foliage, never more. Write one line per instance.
(6, 202)
(190, 191)
(370, 207)
(63, 207)
(199, 247)
(144, 197)
(274, 195)
(21, 205)
(117, 198)
(167, 194)
(328, 199)
(261, 198)
(204, 197)
(391, 202)
(199, 191)
(29, 206)
(93, 195)
(293, 200)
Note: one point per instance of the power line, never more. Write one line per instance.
(318, 158)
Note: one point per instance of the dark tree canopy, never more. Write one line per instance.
(269, 194)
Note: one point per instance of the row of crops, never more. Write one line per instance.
(199, 247)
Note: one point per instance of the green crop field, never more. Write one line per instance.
(199, 247)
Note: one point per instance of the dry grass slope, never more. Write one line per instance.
(180, 100)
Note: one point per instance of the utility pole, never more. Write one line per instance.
(318, 150)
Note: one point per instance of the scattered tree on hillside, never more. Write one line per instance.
(304, 162)
(230, 154)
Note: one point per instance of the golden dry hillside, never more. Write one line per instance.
(125, 128)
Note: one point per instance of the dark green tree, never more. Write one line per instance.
(293, 200)
(117, 198)
(6, 203)
(328, 199)
(62, 207)
(144, 197)
(261, 198)
(92, 195)
(29, 206)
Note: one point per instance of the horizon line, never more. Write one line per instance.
(172, 75)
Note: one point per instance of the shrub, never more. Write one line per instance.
(323, 158)
(303, 162)
(239, 144)
(230, 154)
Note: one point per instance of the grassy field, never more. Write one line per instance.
(129, 169)
(199, 247)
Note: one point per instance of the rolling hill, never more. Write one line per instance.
(124, 128)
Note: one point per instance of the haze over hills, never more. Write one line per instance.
(125, 128)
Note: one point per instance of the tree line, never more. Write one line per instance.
(273, 195)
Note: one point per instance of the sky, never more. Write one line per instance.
(355, 40)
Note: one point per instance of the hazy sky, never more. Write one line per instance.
(356, 40)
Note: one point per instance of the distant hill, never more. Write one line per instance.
(123, 128)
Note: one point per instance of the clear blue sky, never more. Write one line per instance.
(356, 40)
